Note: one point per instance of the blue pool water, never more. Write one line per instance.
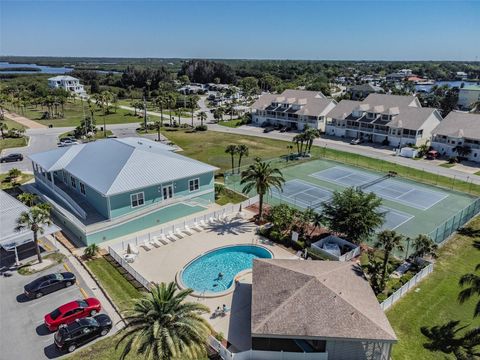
(202, 273)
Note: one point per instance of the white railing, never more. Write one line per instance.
(397, 295)
(225, 210)
(117, 250)
(226, 354)
(145, 283)
(350, 255)
(67, 199)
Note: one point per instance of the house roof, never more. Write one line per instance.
(114, 166)
(343, 109)
(312, 103)
(315, 299)
(366, 87)
(459, 124)
(62, 77)
(10, 210)
(413, 118)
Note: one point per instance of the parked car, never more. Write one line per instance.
(268, 129)
(432, 155)
(355, 141)
(11, 158)
(284, 129)
(72, 311)
(49, 283)
(82, 331)
(67, 142)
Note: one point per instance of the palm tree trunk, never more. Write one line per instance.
(37, 247)
(260, 207)
(233, 164)
(158, 131)
(239, 162)
(192, 117)
(384, 270)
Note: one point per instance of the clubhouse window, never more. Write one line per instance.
(137, 199)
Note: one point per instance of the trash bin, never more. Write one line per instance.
(50, 126)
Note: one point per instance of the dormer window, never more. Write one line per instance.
(370, 115)
(386, 117)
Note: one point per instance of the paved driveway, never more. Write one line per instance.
(22, 333)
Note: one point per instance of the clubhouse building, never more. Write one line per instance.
(114, 187)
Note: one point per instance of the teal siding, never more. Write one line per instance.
(121, 204)
(154, 219)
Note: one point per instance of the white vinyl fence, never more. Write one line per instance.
(397, 295)
(118, 250)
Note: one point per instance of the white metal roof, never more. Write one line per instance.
(62, 77)
(10, 210)
(114, 166)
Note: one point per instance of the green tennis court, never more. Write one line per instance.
(411, 207)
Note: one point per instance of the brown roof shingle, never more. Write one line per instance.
(320, 299)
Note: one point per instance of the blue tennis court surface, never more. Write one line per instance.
(390, 189)
(305, 195)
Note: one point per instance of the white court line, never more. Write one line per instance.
(407, 217)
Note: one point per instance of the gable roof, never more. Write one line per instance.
(457, 124)
(114, 166)
(62, 77)
(413, 118)
(312, 103)
(315, 299)
(389, 101)
(343, 109)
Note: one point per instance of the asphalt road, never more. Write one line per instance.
(23, 336)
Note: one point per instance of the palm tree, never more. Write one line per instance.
(261, 176)
(202, 116)
(192, 104)
(447, 339)
(389, 241)
(232, 150)
(28, 199)
(158, 125)
(473, 282)
(91, 251)
(424, 245)
(34, 220)
(462, 151)
(242, 150)
(299, 139)
(423, 149)
(14, 174)
(161, 102)
(3, 128)
(309, 135)
(374, 270)
(318, 220)
(170, 100)
(178, 112)
(162, 325)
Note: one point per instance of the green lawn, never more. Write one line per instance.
(231, 123)
(98, 135)
(12, 124)
(434, 302)
(120, 290)
(447, 165)
(74, 113)
(13, 142)
(225, 196)
(5, 184)
(209, 146)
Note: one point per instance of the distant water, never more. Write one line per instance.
(456, 83)
(43, 69)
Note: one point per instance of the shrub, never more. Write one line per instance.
(382, 297)
(201, 128)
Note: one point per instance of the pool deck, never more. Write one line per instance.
(163, 263)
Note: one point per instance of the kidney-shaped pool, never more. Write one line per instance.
(214, 272)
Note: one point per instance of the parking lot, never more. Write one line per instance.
(23, 336)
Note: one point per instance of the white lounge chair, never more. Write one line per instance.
(178, 233)
(146, 245)
(196, 226)
(132, 249)
(203, 224)
(222, 217)
(171, 236)
(187, 230)
(163, 239)
(155, 242)
(212, 220)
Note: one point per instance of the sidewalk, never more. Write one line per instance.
(90, 283)
(24, 121)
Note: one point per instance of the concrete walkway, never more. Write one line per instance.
(24, 121)
(365, 150)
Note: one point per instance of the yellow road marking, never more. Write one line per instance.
(84, 293)
(46, 246)
(66, 267)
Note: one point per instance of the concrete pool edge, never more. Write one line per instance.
(210, 294)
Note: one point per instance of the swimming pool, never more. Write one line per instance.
(203, 273)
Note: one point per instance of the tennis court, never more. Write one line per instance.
(304, 195)
(387, 188)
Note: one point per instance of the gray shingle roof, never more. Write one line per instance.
(457, 122)
(314, 103)
(343, 109)
(114, 166)
(320, 299)
(412, 118)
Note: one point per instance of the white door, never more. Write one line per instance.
(167, 192)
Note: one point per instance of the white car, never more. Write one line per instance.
(67, 142)
(355, 141)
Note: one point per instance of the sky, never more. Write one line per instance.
(315, 30)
